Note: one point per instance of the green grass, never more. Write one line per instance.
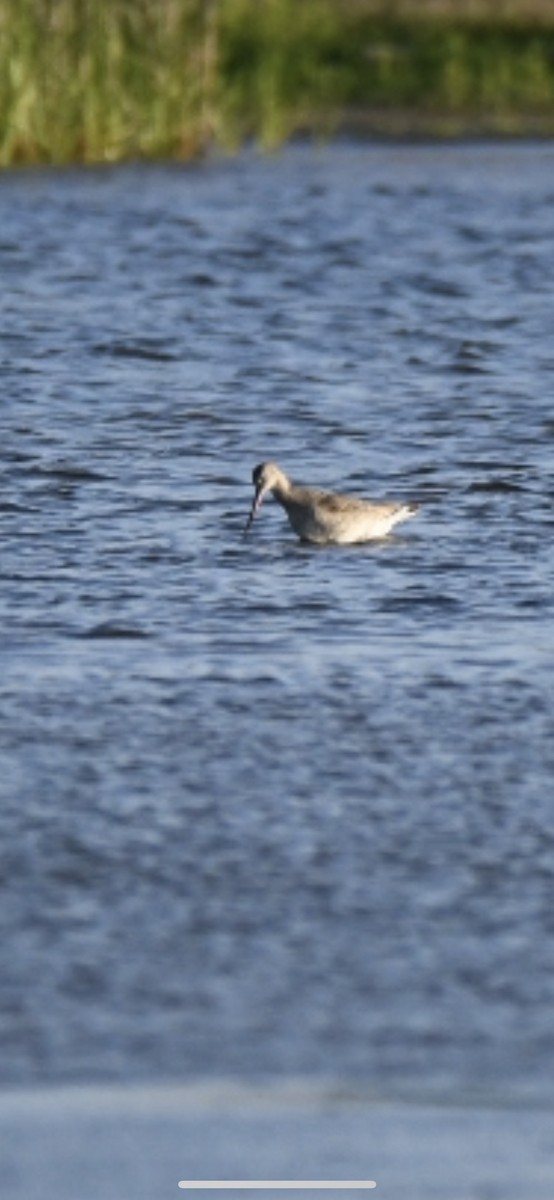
(103, 80)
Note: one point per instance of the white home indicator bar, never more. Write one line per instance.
(277, 1183)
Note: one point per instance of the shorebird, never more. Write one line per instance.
(325, 517)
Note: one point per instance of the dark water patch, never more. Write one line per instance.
(465, 367)
(112, 629)
(436, 286)
(202, 279)
(414, 599)
(8, 506)
(65, 472)
(150, 351)
(495, 485)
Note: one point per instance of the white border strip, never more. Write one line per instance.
(277, 1183)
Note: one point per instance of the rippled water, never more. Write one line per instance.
(267, 807)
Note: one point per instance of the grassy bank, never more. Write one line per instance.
(97, 80)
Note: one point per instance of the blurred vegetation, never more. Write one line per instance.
(97, 80)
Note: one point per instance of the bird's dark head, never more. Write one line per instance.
(264, 477)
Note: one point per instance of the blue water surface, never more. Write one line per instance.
(269, 809)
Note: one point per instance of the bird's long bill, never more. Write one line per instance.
(256, 504)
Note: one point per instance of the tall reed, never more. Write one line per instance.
(93, 80)
(104, 79)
